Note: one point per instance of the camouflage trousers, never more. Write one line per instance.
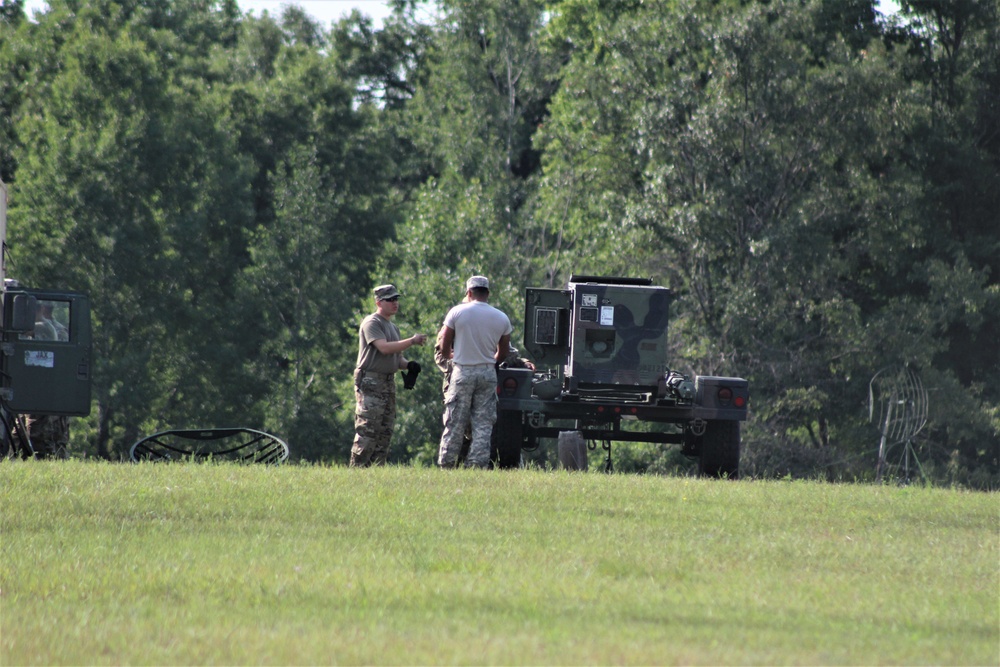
(448, 368)
(49, 435)
(471, 398)
(374, 417)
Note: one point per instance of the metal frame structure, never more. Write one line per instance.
(243, 445)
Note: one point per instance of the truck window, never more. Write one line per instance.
(52, 321)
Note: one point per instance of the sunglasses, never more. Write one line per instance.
(392, 299)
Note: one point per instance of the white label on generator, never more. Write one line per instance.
(607, 316)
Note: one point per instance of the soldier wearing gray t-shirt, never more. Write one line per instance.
(475, 336)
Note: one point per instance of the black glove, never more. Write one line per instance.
(410, 376)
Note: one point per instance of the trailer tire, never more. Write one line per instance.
(508, 436)
(720, 450)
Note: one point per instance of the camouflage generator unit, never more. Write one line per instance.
(600, 351)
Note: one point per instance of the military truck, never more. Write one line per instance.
(45, 352)
(601, 360)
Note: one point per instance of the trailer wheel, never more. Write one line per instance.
(508, 435)
(720, 450)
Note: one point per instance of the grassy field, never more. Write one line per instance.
(108, 564)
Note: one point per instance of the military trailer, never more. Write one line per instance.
(45, 352)
(601, 365)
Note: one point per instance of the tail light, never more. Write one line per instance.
(509, 387)
(726, 397)
(724, 393)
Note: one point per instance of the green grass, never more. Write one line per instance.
(108, 564)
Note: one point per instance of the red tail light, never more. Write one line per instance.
(509, 386)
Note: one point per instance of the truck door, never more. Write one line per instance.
(547, 324)
(47, 368)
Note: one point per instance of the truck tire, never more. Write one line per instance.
(508, 435)
(720, 450)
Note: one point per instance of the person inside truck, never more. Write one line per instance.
(47, 324)
(45, 328)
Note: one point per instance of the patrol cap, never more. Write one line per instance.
(477, 281)
(383, 292)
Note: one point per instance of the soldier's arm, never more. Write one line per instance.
(385, 347)
(447, 336)
(503, 348)
(439, 359)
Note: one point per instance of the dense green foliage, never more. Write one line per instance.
(819, 185)
(178, 564)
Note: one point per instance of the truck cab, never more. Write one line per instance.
(46, 352)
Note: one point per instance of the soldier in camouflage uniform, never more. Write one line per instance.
(380, 356)
(475, 337)
(513, 360)
(49, 434)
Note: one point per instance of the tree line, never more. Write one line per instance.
(818, 183)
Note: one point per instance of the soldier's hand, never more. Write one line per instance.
(418, 339)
